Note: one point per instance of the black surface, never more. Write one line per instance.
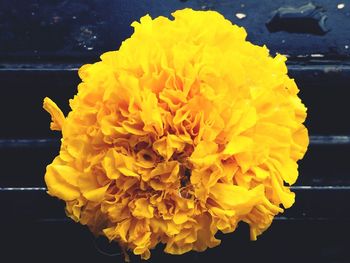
(307, 19)
(323, 87)
(285, 241)
(312, 203)
(325, 163)
(43, 43)
(37, 30)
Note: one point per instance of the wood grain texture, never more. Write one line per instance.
(323, 88)
(43, 43)
(312, 203)
(286, 241)
(325, 163)
(81, 30)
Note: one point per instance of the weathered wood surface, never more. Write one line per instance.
(43, 43)
(324, 88)
(285, 241)
(319, 203)
(81, 30)
(326, 162)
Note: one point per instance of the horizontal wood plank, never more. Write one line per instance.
(24, 161)
(323, 86)
(312, 203)
(42, 45)
(55, 142)
(287, 241)
(325, 164)
(81, 30)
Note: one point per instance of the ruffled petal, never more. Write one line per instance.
(185, 131)
(57, 116)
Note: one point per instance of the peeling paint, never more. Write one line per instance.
(308, 18)
(240, 15)
(341, 6)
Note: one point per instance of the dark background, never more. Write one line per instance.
(43, 43)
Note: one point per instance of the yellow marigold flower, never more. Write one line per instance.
(185, 131)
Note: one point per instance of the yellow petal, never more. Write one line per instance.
(285, 195)
(236, 197)
(205, 153)
(175, 249)
(125, 171)
(150, 114)
(238, 144)
(260, 173)
(59, 187)
(180, 218)
(57, 116)
(96, 195)
(143, 209)
(166, 172)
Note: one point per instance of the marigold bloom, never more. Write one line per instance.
(185, 131)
